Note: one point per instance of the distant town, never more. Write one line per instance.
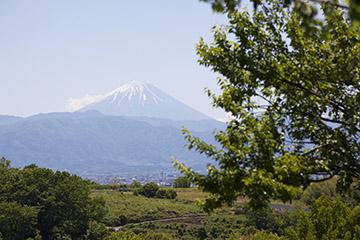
(163, 178)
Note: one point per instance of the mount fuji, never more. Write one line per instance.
(137, 99)
(132, 130)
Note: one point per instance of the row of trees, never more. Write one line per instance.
(152, 190)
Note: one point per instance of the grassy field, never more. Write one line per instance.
(190, 194)
(182, 218)
(127, 208)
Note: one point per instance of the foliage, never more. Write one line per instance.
(149, 190)
(135, 185)
(328, 188)
(267, 219)
(115, 187)
(144, 236)
(124, 236)
(257, 236)
(152, 190)
(16, 221)
(306, 9)
(182, 182)
(328, 219)
(294, 101)
(96, 231)
(316, 190)
(62, 201)
(166, 193)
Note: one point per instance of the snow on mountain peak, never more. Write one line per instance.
(137, 91)
(142, 91)
(137, 99)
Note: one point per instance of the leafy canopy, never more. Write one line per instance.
(294, 96)
(307, 9)
(36, 200)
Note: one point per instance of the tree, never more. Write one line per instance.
(294, 97)
(62, 201)
(327, 219)
(182, 182)
(305, 8)
(17, 222)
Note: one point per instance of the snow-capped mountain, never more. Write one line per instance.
(137, 99)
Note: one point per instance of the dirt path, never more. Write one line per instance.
(173, 219)
(192, 218)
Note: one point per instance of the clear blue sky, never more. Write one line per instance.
(55, 50)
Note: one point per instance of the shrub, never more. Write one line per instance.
(166, 193)
(149, 190)
(152, 190)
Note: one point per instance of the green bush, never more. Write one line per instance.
(149, 190)
(152, 190)
(166, 193)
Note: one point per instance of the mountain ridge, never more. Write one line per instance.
(90, 143)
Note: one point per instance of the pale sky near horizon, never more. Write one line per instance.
(52, 51)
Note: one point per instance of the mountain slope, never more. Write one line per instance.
(92, 143)
(143, 100)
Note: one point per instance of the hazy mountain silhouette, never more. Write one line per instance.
(93, 143)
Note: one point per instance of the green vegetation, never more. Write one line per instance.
(182, 182)
(294, 98)
(307, 10)
(152, 190)
(38, 202)
(303, 134)
(61, 206)
(190, 194)
(325, 218)
(126, 208)
(115, 187)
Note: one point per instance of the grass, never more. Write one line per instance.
(127, 208)
(190, 194)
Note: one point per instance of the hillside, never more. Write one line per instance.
(92, 143)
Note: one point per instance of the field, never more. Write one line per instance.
(126, 208)
(189, 194)
(182, 218)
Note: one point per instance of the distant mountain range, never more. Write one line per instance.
(117, 134)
